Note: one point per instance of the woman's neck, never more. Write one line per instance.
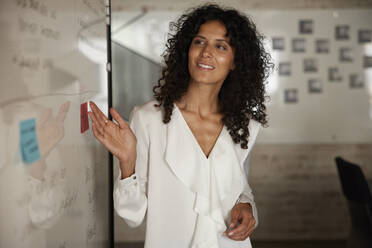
(200, 98)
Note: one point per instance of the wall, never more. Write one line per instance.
(298, 192)
(176, 5)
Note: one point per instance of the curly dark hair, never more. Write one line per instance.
(242, 95)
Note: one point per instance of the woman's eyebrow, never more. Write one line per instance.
(202, 37)
(199, 36)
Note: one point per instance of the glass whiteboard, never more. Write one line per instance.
(54, 175)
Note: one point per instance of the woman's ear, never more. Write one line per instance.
(232, 66)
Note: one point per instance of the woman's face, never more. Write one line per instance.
(210, 55)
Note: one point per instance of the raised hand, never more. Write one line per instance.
(117, 138)
(50, 130)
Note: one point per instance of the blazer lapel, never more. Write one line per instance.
(227, 167)
(181, 153)
(187, 163)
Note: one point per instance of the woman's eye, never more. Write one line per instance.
(198, 42)
(222, 47)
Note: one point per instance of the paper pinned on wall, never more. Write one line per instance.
(29, 143)
(84, 121)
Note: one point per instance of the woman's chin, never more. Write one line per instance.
(204, 81)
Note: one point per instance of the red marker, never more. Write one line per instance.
(84, 122)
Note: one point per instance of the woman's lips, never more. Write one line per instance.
(204, 66)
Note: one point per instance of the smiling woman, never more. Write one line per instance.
(210, 52)
(242, 94)
(182, 155)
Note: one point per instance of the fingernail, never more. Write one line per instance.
(231, 225)
(231, 233)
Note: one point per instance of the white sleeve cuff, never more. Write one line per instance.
(244, 199)
(128, 184)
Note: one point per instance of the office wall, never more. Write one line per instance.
(53, 176)
(298, 192)
(179, 5)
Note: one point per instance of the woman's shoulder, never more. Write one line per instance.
(254, 127)
(253, 124)
(147, 111)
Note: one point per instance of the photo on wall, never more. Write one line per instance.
(334, 74)
(367, 61)
(298, 45)
(278, 43)
(290, 95)
(322, 46)
(364, 36)
(356, 81)
(306, 26)
(310, 65)
(315, 85)
(285, 69)
(342, 32)
(346, 54)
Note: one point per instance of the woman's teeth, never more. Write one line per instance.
(205, 66)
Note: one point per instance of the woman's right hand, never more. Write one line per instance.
(117, 138)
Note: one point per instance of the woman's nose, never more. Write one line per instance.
(207, 51)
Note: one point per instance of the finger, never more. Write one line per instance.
(62, 112)
(240, 237)
(244, 229)
(230, 228)
(100, 117)
(234, 218)
(250, 231)
(94, 120)
(45, 116)
(96, 124)
(238, 231)
(117, 118)
(97, 133)
(248, 220)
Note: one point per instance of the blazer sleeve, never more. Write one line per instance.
(130, 194)
(247, 196)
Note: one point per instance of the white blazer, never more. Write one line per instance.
(187, 196)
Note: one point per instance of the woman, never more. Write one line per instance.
(181, 158)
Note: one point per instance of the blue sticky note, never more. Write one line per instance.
(29, 144)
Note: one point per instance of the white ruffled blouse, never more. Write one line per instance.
(187, 196)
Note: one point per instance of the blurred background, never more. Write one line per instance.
(320, 107)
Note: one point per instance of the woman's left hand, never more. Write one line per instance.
(241, 213)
